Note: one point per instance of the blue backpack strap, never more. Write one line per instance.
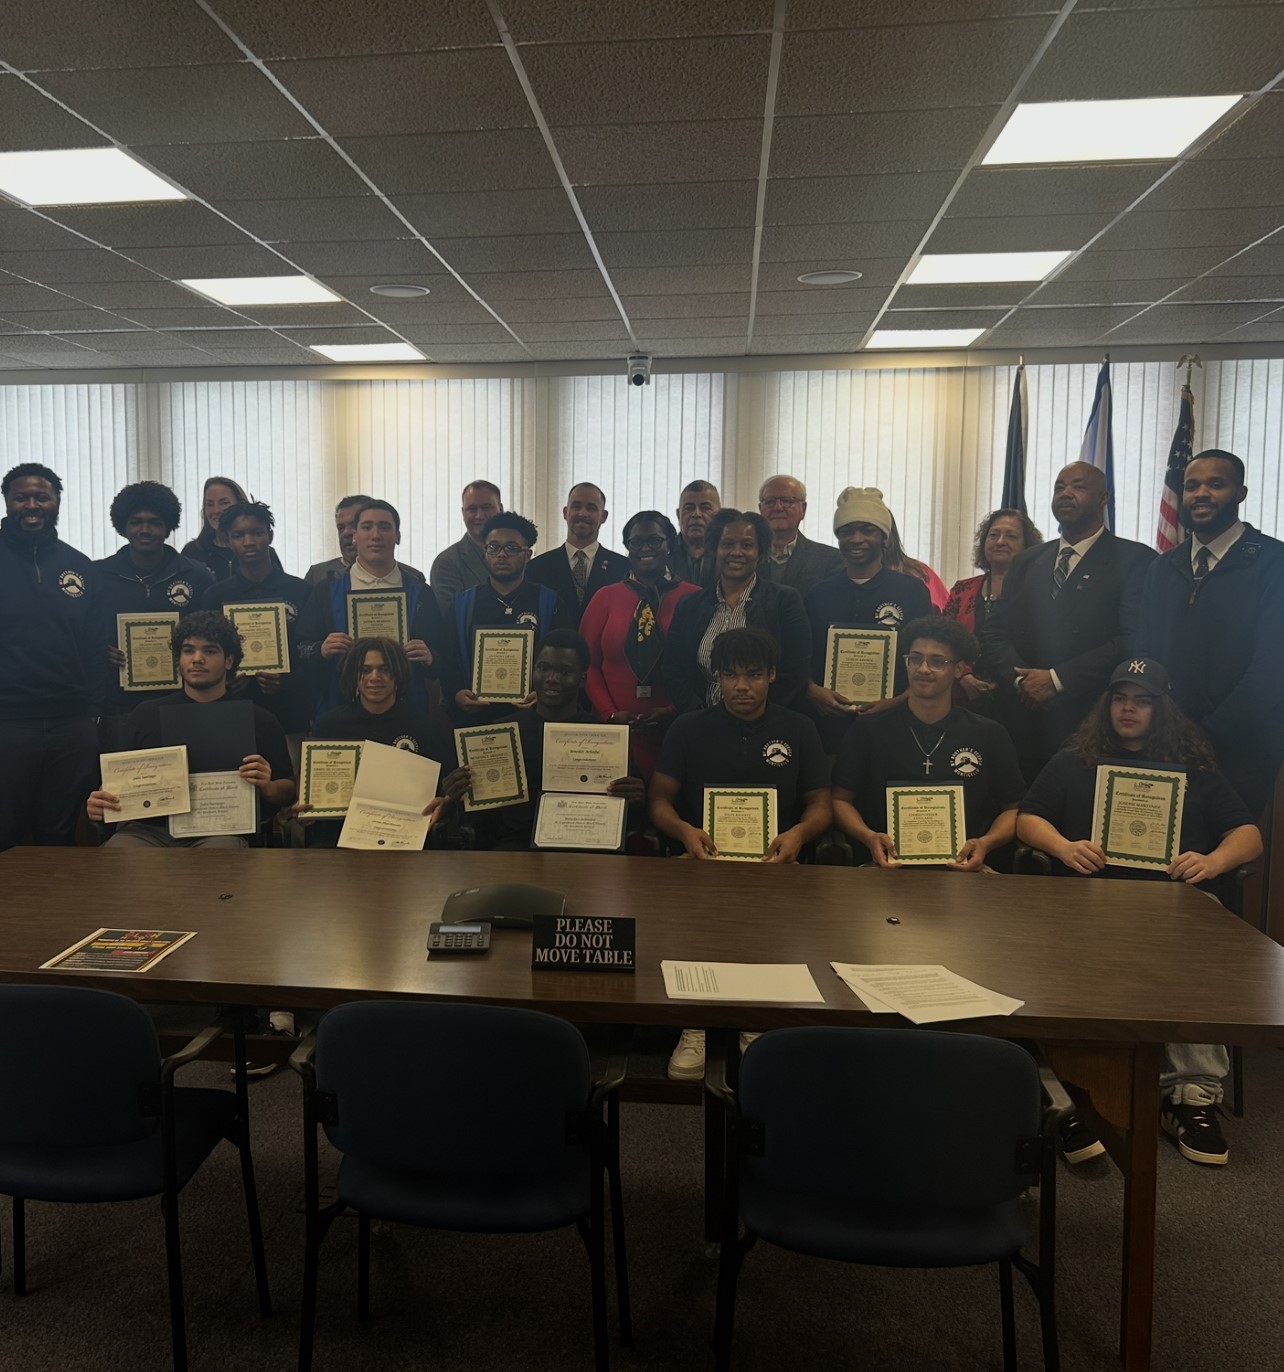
(547, 605)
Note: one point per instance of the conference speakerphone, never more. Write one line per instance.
(458, 938)
(508, 905)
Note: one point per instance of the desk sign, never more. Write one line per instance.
(584, 943)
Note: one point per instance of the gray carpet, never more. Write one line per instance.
(97, 1279)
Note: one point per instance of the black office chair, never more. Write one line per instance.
(962, 1131)
(91, 1114)
(465, 1118)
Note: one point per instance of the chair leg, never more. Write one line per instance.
(242, 1141)
(1237, 1078)
(617, 1219)
(1009, 1316)
(174, 1264)
(724, 1317)
(591, 1231)
(363, 1266)
(19, 1247)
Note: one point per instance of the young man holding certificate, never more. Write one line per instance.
(1136, 769)
(899, 773)
(207, 649)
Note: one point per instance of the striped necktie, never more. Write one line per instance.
(1061, 571)
(579, 574)
(1202, 558)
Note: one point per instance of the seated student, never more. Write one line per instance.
(561, 666)
(744, 740)
(926, 739)
(375, 682)
(1138, 719)
(206, 648)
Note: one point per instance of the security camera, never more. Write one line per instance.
(638, 366)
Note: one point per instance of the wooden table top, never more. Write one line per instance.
(1112, 961)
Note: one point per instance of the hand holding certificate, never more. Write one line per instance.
(265, 643)
(502, 662)
(149, 653)
(860, 663)
(378, 614)
(741, 821)
(493, 754)
(392, 789)
(327, 772)
(220, 803)
(926, 824)
(148, 783)
(585, 757)
(1137, 813)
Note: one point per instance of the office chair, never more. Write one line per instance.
(962, 1131)
(92, 1115)
(466, 1118)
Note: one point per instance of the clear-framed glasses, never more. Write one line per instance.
(786, 502)
(505, 549)
(647, 545)
(934, 662)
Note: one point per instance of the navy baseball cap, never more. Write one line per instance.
(1142, 671)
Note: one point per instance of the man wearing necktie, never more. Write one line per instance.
(581, 566)
(1068, 614)
(1215, 605)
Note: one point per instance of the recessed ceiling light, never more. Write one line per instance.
(828, 278)
(400, 292)
(261, 290)
(916, 340)
(81, 176)
(369, 352)
(1105, 130)
(943, 268)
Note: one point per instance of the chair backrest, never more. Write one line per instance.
(903, 1117)
(471, 1088)
(77, 1067)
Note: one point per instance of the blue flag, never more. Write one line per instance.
(1098, 441)
(1013, 497)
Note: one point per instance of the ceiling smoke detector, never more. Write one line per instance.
(397, 292)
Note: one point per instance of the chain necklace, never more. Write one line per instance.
(927, 752)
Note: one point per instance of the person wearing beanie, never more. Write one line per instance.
(863, 594)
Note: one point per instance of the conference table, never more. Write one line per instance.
(1109, 970)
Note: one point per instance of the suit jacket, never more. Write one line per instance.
(456, 568)
(808, 563)
(553, 569)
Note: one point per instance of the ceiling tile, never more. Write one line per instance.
(486, 160)
(496, 286)
(717, 205)
(683, 247)
(1004, 191)
(1219, 287)
(30, 120)
(673, 280)
(171, 224)
(731, 305)
(533, 252)
(482, 353)
(650, 82)
(569, 330)
(1208, 184)
(372, 333)
(228, 103)
(123, 340)
(236, 259)
(335, 220)
(553, 21)
(840, 14)
(1267, 331)
(58, 34)
(432, 336)
(459, 213)
(918, 67)
(675, 349)
(1091, 320)
(1122, 266)
(1127, 291)
(421, 92)
(36, 346)
(258, 357)
(1183, 229)
(114, 295)
(768, 345)
(62, 321)
(325, 28)
(821, 299)
(842, 245)
(1035, 233)
(784, 325)
(721, 326)
(991, 295)
(62, 355)
(865, 144)
(1184, 323)
(442, 287)
(877, 273)
(718, 150)
(398, 257)
(29, 231)
(587, 349)
(848, 199)
(1259, 132)
(221, 340)
(89, 264)
(399, 314)
(196, 318)
(598, 307)
(304, 316)
(302, 168)
(1265, 260)
(18, 295)
(942, 319)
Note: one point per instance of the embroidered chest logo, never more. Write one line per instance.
(890, 615)
(528, 619)
(406, 743)
(72, 584)
(778, 753)
(291, 611)
(966, 762)
(180, 593)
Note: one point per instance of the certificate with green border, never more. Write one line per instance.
(927, 824)
(502, 660)
(327, 771)
(264, 629)
(494, 753)
(860, 663)
(149, 652)
(378, 614)
(741, 821)
(1136, 814)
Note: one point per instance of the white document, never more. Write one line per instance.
(924, 994)
(148, 782)
(787, 982)
(391, 790)
(848, 970)
(221, 803)
(585, 757)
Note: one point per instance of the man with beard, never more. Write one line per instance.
(581, 566)
(54, 672)
(1213, 613)
(463, 564)
(691, 560)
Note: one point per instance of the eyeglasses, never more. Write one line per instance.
(505, 549)
(785, 501)
(934, 663)
(646, 545)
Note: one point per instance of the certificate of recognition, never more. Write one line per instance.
(741, 821)
(149, 783)
(327, 771)
(220, 803)
(149, 653)
(388, 798)
(860, 663)
(585, 757)
(378, 614)
(580, 821)
(502, 661)
(265, 645)
(926, 823)
(494, 753)
(1136, 814)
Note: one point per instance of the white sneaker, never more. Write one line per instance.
(746, 1038)
(687, 1062)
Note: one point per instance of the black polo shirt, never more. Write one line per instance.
(780, 748)
(405, 725)
(966, 750)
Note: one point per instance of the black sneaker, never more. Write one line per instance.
(1196, 1131)
(1079, 1140)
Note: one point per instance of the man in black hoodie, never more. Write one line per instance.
(53, 672)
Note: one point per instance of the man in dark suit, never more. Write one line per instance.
(581, 566)
(794, 559)
(1067, 616)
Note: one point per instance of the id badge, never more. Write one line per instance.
(644, 692)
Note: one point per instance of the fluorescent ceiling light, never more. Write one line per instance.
(1105, 130)
(261, 290)
(369, 352)
(916, 340)
(940, 268)
(81, 176)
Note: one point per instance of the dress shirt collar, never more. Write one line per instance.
(1219, 546)
(1080, 548)
(745, 598)
(363, 578)
(590, 552)
(785, 553)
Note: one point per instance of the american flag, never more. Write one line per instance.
(1179, 454)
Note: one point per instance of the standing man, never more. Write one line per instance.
(794, 559)
(1213, 613)
(1068, 614)
(691, 560)
(54, 670)
(345, 524)
(463, 564)
(581, 566)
